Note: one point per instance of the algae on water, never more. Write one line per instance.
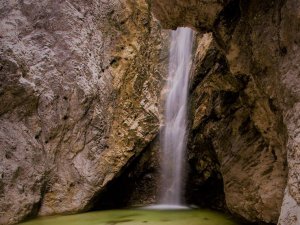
(138, 217)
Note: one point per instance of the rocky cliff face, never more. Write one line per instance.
(79, 103)
(79, 95)
(245, 96)
(232, 119)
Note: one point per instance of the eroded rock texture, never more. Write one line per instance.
(80, 89)
(232, 118)
(289, 78)
(244, 103)
(79, 95)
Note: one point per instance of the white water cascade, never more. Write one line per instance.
(173, 136)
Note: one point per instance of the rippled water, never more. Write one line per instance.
(138, 217)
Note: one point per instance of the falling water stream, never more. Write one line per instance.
(173, 137)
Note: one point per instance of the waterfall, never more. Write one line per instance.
(174, 132)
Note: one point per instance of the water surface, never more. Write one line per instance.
(138, 217)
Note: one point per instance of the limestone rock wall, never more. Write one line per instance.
(79, 92)
(237, 136)
(289, 78)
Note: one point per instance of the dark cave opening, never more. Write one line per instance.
(138, 184)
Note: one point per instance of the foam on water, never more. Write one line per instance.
(166, 207)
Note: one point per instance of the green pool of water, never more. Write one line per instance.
(138, 217)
